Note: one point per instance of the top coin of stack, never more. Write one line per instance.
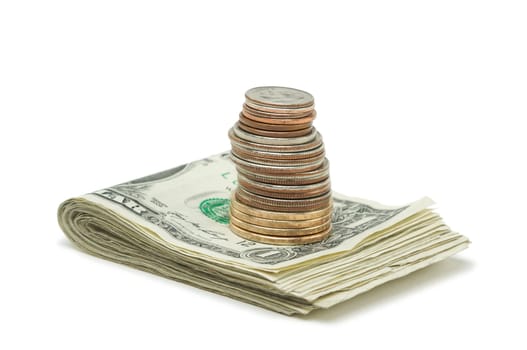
(284, 193)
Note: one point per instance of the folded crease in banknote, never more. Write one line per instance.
(175, 224)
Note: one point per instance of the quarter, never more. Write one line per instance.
(279, 96)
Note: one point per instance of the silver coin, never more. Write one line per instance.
(278, 141)
(307, 204)
(279, 96)
(249, 152)
(306, 178)
(277, 112)
(277, 162)
(284, 192)
(275, 148)
(286, 188)
(275, 169)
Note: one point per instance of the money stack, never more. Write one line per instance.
(284, 192)
(173, 223)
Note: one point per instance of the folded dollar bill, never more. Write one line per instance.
(175, 224)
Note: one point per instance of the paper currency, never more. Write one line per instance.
(176, 224)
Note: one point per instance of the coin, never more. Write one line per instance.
(279, 240)
(268, 133)
(276, 215)
(276, 112)
(273, 169)
(285, 180)
(251, 219)
(305, 178)
(273, 127)
(280, 121)
(285, 192)
(287, 205)
(247, 152)
(279, 231)
(279, 96)
(316, 202)
(274, 140)
(258, 113)
(276, 148)
(277, 161)
(308, 163)
(281, 195)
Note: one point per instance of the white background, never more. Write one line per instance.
(413, 97)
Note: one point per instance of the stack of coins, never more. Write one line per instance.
(284, 193)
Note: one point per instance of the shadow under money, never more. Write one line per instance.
(391, 291)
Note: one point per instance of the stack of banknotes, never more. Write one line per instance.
(176, 224)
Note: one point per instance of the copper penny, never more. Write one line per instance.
(273, 127)
(279, 134)
(276, 215)
(251, 219)
(317, 237)
(279, 231)
(281, 121)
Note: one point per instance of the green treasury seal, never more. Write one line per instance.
(216, 208)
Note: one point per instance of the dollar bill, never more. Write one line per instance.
(175, 224)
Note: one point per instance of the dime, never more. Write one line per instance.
(279, 240)
(279, 231)
(287, 205)
(273, 127)
(268, 133)
(276, 215)
(279, 96)
(274, 140)
(279, 223)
